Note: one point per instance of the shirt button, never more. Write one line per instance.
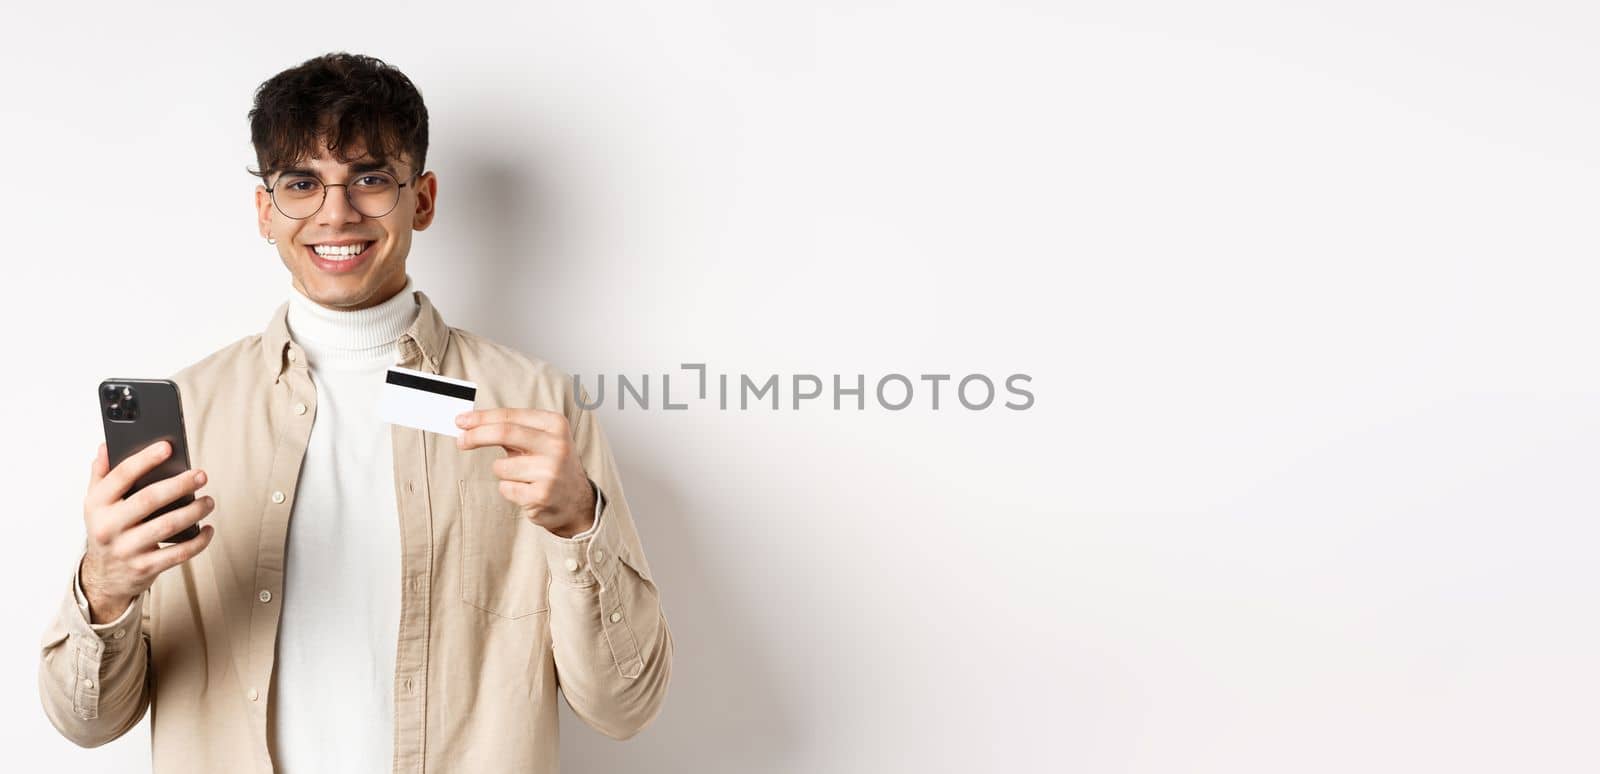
(277, 496)
(572, 565)
(292, 356)
(615, 617)
(119, 635)
(599, 556)
(264, 596)
(411, 486)
(87, 683)
(299, 408)
(253, 695)
(408, 685)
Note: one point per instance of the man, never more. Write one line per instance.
(379, 597)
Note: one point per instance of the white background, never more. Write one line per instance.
(1307, 296)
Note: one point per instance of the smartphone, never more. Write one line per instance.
(140, 412)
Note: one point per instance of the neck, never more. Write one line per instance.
(363, 334)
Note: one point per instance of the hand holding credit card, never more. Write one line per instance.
(425, 401)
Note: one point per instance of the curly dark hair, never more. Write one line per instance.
(338, 98)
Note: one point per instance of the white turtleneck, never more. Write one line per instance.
(334, 693)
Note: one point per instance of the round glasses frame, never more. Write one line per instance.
(272, 192)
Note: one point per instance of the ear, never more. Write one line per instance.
(427, 193)
(263, 211)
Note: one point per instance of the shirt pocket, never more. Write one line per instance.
(503, 569)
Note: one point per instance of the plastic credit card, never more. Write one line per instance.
(425, 401)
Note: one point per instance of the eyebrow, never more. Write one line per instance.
(360, 166)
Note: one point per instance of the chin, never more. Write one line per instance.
(345, 290)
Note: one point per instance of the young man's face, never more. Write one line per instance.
(329, 276)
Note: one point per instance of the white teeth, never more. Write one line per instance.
(343, 250)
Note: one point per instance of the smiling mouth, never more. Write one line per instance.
(340, 253)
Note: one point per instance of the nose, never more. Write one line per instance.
(336, 207)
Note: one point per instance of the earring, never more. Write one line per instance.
(270, 240)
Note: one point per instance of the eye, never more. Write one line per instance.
(372, 181)
(301, 185)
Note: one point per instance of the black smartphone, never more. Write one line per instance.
(140, 412)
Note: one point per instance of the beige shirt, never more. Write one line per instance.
(496, 612)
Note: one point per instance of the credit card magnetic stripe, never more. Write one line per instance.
(431, 384)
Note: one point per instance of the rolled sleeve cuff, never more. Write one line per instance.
(93, 649)
(585, 558)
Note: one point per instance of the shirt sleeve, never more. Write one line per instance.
(92, 677)
(613, 650)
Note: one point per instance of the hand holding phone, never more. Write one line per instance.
(123, 557)
(145, 500)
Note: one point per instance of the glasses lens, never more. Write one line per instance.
(374, 194)
(298, 196)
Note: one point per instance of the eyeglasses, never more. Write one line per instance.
(373, 194)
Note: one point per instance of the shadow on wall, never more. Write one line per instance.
(721, 711)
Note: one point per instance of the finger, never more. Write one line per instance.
(151, 498)
(172, 522)
(516, 438)
(121, 478)
(166, 558)
(548, 421)
(525, 467)
(534, 495)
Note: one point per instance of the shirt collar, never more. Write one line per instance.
(428, 335)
